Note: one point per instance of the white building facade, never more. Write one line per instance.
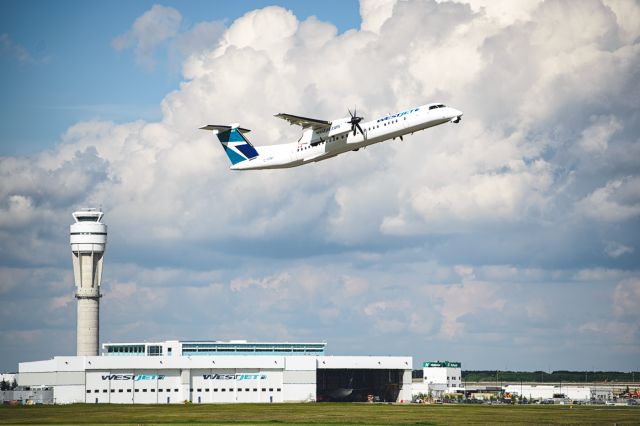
(447, 373)
(572, 392)
(180, 373)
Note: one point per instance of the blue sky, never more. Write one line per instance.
(72, 72)
(510, 240)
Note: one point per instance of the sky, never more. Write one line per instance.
(508, 241)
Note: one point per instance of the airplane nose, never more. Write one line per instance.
(456, 115)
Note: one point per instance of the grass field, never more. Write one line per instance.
(316, 414)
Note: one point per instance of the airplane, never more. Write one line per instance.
(323, 139)
(341, 393)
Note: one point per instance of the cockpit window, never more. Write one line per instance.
(437, 106)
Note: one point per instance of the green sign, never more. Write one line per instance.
(450, 364)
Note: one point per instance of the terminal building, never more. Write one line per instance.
(175, 371)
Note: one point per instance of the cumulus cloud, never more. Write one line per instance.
(523, 192)
(618, 200)
(202, 37)
(595, 138)
(374, 13)
(152, 28)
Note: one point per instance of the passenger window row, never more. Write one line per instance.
(334, 138)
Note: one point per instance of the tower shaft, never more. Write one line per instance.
(88, 242)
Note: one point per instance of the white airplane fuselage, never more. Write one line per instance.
(318, 145)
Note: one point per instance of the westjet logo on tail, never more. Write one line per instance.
(134, 377)
(236, 146)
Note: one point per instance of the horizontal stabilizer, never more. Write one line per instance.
(222, 128)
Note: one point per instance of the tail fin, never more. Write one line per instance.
(237, 147)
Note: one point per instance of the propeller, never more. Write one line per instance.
(355, 121)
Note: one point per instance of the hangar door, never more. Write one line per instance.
(358, 385)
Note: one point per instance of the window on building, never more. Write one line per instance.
(154, 350)
(264, 389)
(104, 391)
(88, 390)
(144, 390)
(175, 390)
(223, 390)
(239, 389)
(137, 390)
(199, 389)
(278, 390)
(120, 390)
(270, 389)
(153, 390)
(215, 389)
(255, 389)
(113, 390)
(160, 390)
(129, 390)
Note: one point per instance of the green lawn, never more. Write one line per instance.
(324, 413)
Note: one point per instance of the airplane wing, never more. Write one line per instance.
(304, 122)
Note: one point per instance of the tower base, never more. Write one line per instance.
(88, 325)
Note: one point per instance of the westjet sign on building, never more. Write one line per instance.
(134, 377)
(234, 376)
(138, 377)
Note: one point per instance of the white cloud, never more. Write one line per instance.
(354, 285)
(614, 249)
(456, 301)
(202, 37)
(505, 12)
(271, 283)
(626, 298)
(595, 138)
(152, 28)
(617, 201)
(374, 13)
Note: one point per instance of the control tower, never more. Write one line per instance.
(88, 236)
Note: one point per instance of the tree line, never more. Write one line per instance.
(544, 377)
(7, 385)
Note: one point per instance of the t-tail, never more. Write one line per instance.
(237, 147)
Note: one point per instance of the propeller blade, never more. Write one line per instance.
(355, 120)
